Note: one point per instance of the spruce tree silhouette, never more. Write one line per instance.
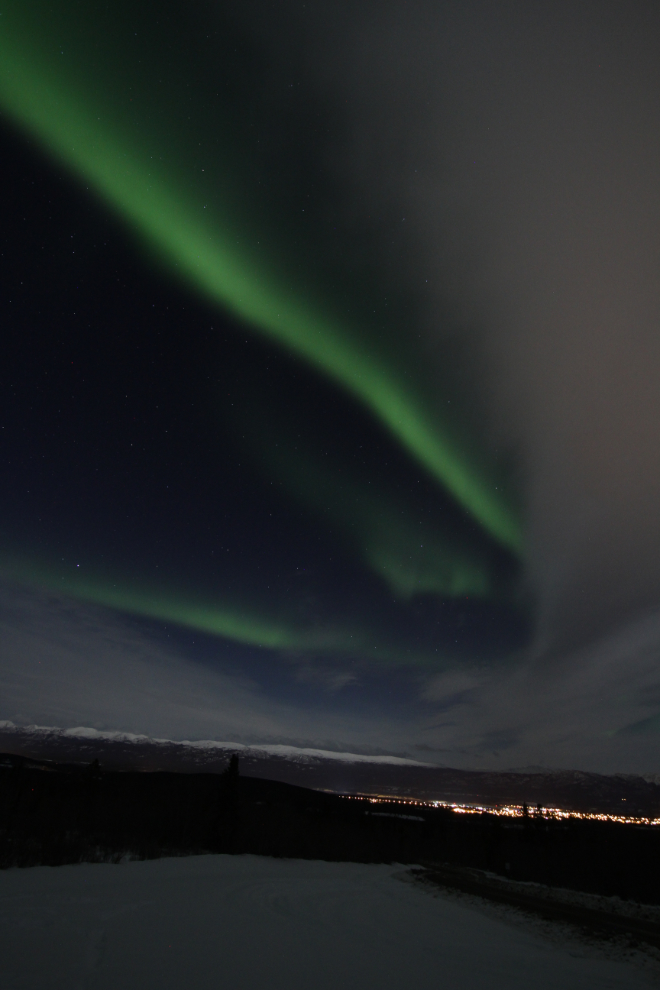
(231, 772)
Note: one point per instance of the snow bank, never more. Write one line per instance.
(248, 923)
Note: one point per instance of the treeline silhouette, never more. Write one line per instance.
(56, 814)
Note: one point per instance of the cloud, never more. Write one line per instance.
(520, 143)
(320, 674)
(597, 708)
(452, 687)
(67, 664)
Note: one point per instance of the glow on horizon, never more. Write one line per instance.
(118, 167)
(506, 810)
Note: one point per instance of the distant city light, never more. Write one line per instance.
(507, 810)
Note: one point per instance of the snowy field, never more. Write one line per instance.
(247, 923)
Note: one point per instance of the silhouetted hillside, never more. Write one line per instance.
(55, 814)
(349, 773)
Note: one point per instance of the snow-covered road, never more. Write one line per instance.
(248, 923)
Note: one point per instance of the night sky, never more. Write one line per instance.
(330, 358)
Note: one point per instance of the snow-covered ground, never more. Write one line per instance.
(249, 923)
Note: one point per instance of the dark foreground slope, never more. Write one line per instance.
(55, 814)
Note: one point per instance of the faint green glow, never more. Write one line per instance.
(644, 726)
(222, 619)
(416, 569)
(114, 160)
(227, 620)
(234, 624)
(413, 556)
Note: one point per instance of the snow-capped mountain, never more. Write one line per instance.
(342, 772)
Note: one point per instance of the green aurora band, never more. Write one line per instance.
(228, 621)
(56, 95)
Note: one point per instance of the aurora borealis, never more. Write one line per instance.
(188, 223)
(214, 250)
(277, 377)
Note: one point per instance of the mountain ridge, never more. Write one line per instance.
(343, 773)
